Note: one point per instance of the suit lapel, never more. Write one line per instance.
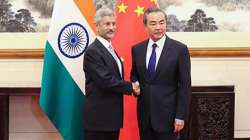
(121, 64)
(163, 57)
(142, 58)
(106, 53)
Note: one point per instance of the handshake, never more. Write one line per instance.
(136, 88)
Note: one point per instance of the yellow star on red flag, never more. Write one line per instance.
(154, 1)
(139, 10)
(131, 31)
(122, 8)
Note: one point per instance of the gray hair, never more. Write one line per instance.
(152, 10)
(102, 12)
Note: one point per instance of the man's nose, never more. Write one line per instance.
(112, 26)
(157, 26)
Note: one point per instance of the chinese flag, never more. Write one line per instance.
(130, 30)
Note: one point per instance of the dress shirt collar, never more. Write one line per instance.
(160, 42)
(104, 42)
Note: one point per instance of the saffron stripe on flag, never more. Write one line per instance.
(63, 78)
(88, 10)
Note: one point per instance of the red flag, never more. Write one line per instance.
(130, 30)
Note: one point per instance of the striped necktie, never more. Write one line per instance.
(112, 51)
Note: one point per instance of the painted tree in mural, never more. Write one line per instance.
(22, 21)
(210, 24)
(24, 17)
(44, 6)
(109, 3)
(14, 26)
(196, 21)
(5, 14)
(173, 24)
(200, 23)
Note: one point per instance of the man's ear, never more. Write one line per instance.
(97, 26)
(146, 27)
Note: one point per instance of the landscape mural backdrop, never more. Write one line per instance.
(183, 15)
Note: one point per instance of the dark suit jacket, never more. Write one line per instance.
(166, 97)
(103, 104)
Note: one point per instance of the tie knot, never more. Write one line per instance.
(154, 45)
(110, 47)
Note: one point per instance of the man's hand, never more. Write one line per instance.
(178, 125)
(136, 88)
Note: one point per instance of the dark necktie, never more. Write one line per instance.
(152, 63)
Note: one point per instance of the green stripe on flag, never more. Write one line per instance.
(61, 99)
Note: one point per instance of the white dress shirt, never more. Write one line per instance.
(107, 45)
(160, 43)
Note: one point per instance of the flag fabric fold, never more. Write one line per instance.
(71, 31)
(63, 80)
(130, 30)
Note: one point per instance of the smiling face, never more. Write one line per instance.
(156, 25)
(106, 27)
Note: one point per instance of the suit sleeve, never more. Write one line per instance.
(133, 73)
(184, 84)
(94, 66)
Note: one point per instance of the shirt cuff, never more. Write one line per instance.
(137, 83)
(179, 121)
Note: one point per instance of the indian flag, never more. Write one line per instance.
(63, 81)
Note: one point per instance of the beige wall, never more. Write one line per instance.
(205, 71)
(22, 40)
(193, 40)
(20, 73)
(228, 71)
